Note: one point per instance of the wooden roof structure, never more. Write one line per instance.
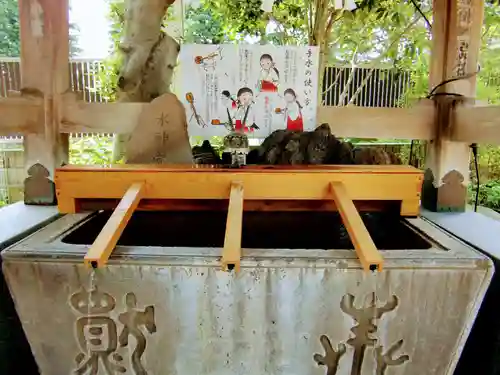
(45, 111)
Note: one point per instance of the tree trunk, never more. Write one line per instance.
(320, 19)
(149, 59)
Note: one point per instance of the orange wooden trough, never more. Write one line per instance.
(341, 188)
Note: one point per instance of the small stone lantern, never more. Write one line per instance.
(236, 144)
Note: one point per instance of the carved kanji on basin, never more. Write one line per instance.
(365, 318)
(97, 333)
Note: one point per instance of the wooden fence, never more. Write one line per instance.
(364, 87)
(82, 75)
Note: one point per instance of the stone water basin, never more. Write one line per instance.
(301, 304)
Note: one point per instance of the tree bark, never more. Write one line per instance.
(149, 58)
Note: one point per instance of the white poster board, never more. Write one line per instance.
(251, 88)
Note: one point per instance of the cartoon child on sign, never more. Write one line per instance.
(269, 76)
(245, 114)
(229, 108)
(292, 111)
(229, 101)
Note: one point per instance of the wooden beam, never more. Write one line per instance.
(367, 252)
(395, 183)
(231, 253)
(81, 117)
(26, 115)
(366, 122)
(44, 35)
(103, 246)
(21, 116)
(358, 122)
(472, 124)
(77, 116)
(477, 125)
(456, 43)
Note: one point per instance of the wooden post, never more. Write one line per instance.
(100, 251)
(368, 254)
(231, 253)
(456, 42)
(44, 70)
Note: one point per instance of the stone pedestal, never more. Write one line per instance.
(170, 310)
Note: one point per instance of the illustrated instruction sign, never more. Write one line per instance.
(253, 89)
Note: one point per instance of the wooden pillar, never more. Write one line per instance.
(44, 72)
(456, 41)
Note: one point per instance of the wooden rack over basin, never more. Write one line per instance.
(248, 188)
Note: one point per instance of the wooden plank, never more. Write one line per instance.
(382, 183)
(366, 122)
(44, 33)
(3, 78)
(403, 123)
(360, 122)
(473, 124)
(81, 117)
(87, 88)
(96, 66)
(103, 246)
(81, 81)
(477, 125)
(410, 208)
(264, 205)
(73, 76)
(367, 252)
(21, 115)
(231, 253)
(202, 168)
(15, 69)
